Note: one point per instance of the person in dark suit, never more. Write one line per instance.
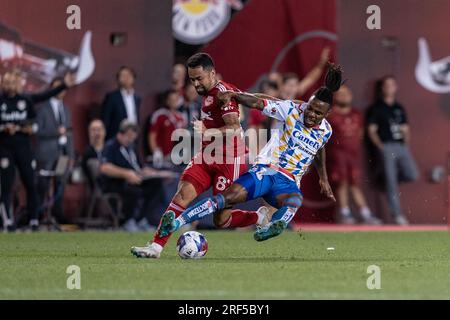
(122, 103)
(53, 140)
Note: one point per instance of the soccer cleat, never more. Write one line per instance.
(269, 231)
(34, 225)
(401, 220)
(346, 219)
(130, 226)
(263, 216)
(372, 220)
(168, 224)
(145, 252)
(145, 226)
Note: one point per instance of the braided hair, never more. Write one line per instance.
(333, 82)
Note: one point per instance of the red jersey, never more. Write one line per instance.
(257, 118)
(227, 163)
(213, 111)
(347, 131)
(164, 122)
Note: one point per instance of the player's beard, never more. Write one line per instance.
(201, 91)
(204, 90)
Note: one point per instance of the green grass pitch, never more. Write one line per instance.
(414, 265)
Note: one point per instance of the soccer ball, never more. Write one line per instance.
(192, 245)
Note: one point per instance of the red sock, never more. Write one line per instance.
(241, 218)
(163, 240)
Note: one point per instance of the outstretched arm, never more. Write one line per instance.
(246, 99)
(310, 79)
(277, 109)
(266, 96)
(69, 81)
(319, 163)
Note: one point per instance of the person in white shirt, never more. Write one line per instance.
(122, 103)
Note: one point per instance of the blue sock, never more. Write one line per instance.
(288, 210)
(284, 213)
(200, 210)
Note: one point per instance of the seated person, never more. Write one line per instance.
(97, 133)
(122, 174)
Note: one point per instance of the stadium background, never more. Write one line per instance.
(247, 48)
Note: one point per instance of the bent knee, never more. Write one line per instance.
(294, 202)
(236, 194)
(184, 195)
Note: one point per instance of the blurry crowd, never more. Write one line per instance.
(135, 187)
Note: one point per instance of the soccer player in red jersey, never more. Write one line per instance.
(216, 167)
(344, 157)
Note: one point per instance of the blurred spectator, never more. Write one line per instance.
(94, 150)
(314, 74)
(178, 77)
(163, 123)
(179, 73)
(270, 88)
(191, 108)
(54, 139)
(122, 103)
(289, 86)
(124, 175)
(276, 77)
(344, 157)
(389, 132)
(292, 87)
(257, 120)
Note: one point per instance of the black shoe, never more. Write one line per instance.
(34, 225)
(11, 228)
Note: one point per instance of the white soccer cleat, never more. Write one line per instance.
(149, 251)
(263, 216)
(401, 220)
(372, 220)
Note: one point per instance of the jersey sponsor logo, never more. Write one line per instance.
(273, 111)
(203, 209)
(199, 21)
(306, 140)
(21, 105)
(227, 108)
(306, 151)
